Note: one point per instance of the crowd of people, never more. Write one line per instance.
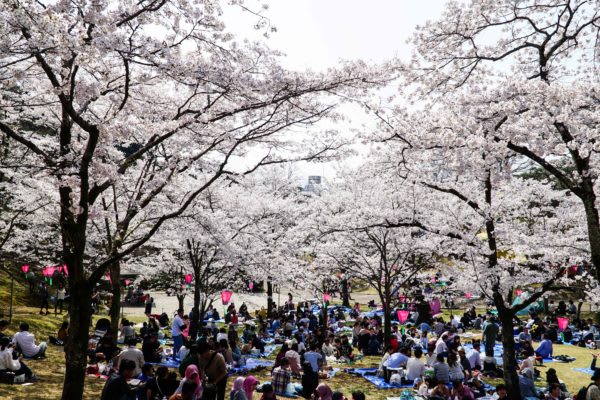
(431, 356)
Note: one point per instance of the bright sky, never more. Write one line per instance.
(316, 34)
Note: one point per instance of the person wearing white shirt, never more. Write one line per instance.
(26, 343)
(177, 328)
(222, 335)
(8, 363)
(440, 346)
(134, 354)
(60, 299)
(414, 366)
(474, 357)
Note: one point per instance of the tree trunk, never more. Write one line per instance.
(115, 305)
(344, 294)
(195, 321)
(270, 302)
(579, 305)
(386, 300)
(324, 330)
(593, 227)
(509, 361)
(77, 341)
(180, 299)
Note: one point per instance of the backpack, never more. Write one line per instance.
(582, 394)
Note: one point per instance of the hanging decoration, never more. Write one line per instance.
(226, 296)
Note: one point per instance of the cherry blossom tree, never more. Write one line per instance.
(144, 96)
(501, 231)
(353, 229)
(531, 67)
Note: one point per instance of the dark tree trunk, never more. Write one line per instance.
(344, 294)
(593, 227)
(77, 341)
(579, 305)
(546, 304)
(180, 299)
(325, 315)
(195, 321)
(115, 305)
(270, 303)
(509, 361)
(386, 300)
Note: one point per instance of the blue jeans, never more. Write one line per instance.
(177, 343)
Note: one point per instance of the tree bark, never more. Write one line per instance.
(115, 305)
(77, 341)
(593, 227)
(387, 323)
(195, 321)
(270, 302)
(509, 361)
(180, 299)
(345, 294)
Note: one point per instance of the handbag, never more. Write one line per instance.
(7, 377)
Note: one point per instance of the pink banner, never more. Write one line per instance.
(562, 323)
(435, 306)
(402, 316)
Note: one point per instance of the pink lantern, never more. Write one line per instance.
(226, 296)
(435, 306)
(127, 282)
(188, 278)
(251, 285)
(562, 323)
(64, 269)
(25, 268)
(402, 316)
(518, 292)
(402, 299)
(326, 298)
(108, 278)
(468, 295)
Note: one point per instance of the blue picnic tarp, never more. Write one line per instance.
(370, 374)
(269, 349)
(251, 365)
(170, 362)
(584, 370)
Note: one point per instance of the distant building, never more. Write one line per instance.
(315, 185)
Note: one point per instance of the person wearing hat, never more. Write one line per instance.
(177, 328)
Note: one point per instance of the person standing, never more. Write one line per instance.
(214, 370)
(148, 304)
(44, 295)
(177, 328)
(489, 334)
(60, 299)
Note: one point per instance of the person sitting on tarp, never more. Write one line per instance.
(544, 350)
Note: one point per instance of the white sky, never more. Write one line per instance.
(317, 34)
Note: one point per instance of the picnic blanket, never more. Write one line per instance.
(584, 370)
(370, 374)
(498, 351)
(269, 349)
(251, 365)
(170, 362)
